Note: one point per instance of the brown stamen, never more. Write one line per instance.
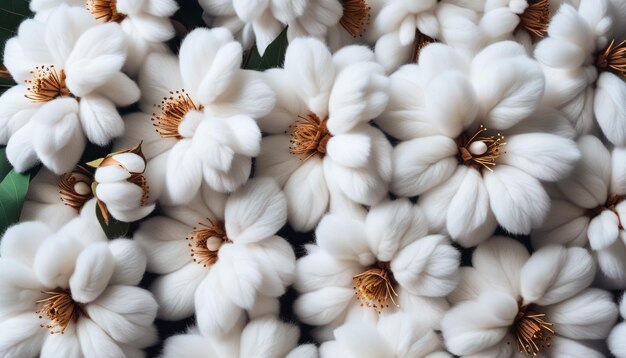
(75, 187)
(613, 58)
(105, 9)
(375, 287)
(309, 137)
(421, 41)
(470, 153)
(47, 84)
(60, 309)
(532, 333)
(611, 204)
(536, 17)
(205, 242)
(173, 110)
(356, 16)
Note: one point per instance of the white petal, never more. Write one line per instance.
(20, 151)
(603, 230)
(129, 262)
(238, 275)
(268, 337)
(93, 271)
(451, 103)
(21, 242)
(215, 313)
(23, 337)
(610, 108)
(175, 291)
(275, 160)
(96, 341)
(100, 120)
(121, 90)
(159, 75)
(508, 256)
(307, 185)
(350, 150)
(184, 173)
(322, 306)
(344, 238)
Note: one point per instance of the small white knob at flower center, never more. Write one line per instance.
(213, 243)
(81, 188)
(478, 148)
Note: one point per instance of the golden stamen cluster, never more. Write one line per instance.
(421, 41)
(492, 151)
(105, 9)
(356, 17)
(46, 84)
(532, 333)
(613, 58)
(173, 110)
(205, 242)
(374, 287)
(60, 309)
(309, 136)
(536, 17)
(75, 187)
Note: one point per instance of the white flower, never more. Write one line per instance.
(121, 186)
(265, 337)
(395, 335)
(203, 109)
(588, 209)
(220, 253)
(146, 23)
(321, 148)
(69, 83)
(617, 338)
(474, 145)
(72, 292)
(380, 263)
(584, 62)
(512, 304)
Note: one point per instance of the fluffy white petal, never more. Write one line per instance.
(93, 271)
(175, 291)
(307, 185)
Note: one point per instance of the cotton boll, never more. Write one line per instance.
(609, 107)
(93, 271)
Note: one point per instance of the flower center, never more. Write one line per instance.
(374, 287)
(60, 309)
(105, 9)
(536, 17)
(611, 204)
(75, 188)
(480, 151)
(309, 136)
(356, 16)
(613, 58)
(47, 84)
(205, 242)
(173, 110)
(532, 333)
(421, 41)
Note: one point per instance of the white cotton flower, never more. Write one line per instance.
(512, 304)
(219, 256)
(265, 337)
(583, 58)
(474, 144)
(588, 209)
(145, 23)
(617, 338)
(321, 148)
(69, 83)
(395, 335)
(203, 109)
(72, 293)
(121, 187)
(381, 263)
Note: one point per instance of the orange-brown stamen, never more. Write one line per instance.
(375, 287)
(75, 187)
(613, 58)
(105, 10)
(205, 242)
(470, 151)
(536, 17)
(60, 309)
(173, 110)
(356, 16)
(421, 41)
(533, 334)
(309, 136)
(46, 84)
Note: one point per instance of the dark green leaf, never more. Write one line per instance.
(273, 57)
(12, 13)
(115, 228)
(13, 189)
(5, 166)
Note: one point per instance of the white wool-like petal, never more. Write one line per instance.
(20, 150)
(268, 337)
(517, 199)
(304, 351)
(93, 271)
(111, 174)
(226, 63)
(175, 291)
(19, 289)
(55, 259)
(565, 224)
(255, 212)
(27, 51)
(323, 306)
(408, 336)
(246, 135)
(15, 111)
(509, 256)
(20, 242)
(100, 120)
(392, 225)
(344, 238)
(469, 219)
(553, 274)
(610, 107)
(437, 58)
(184, 173)
(319, 269)
(215, 314)
(160, 239)
(159, 74)
(120, 90)
(560, 54)
(603, 230)
(277, 263)
(63, 28)
(588, 315)
(351, 149)
(96, 341)
(498, 23)
(545, 156)
(248, 95)
(62, 345)
(129, 262)
(618, 171)
(188, 345)
(612, 271)
(428, 267)
(362, 341)
(435, 202)
(430, 310)
(308, 185)
(275, 160)
(544, 120)
(22, 336)
(132, 162)
(566, 348)
(131, 215)
(238, 274)
(390, 52)
(616, 341)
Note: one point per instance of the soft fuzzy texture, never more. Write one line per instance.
(264, 336)
(617, 338)
(213, 143)
(54, 131)
(395, 335)
(448, 95)
(424, 267)
(553, 280)
(252, 266)
(349, 89)
(102, 276)
(574, 83)
(583, 214)
(145, 23)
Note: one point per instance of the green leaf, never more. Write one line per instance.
(273, 57)
(115, 228)
(13, 189)
(5, 166)
(12, 13)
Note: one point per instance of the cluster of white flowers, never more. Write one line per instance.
(460, 167)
